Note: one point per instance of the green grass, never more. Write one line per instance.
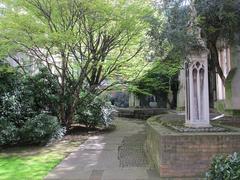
(28, 167)
(34, 163)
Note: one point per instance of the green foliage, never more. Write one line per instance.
(225, 168)
(100, 33)
(43, 88)
(9, 133)
(21, 121)
(169, 32)
(8, 78)
(184, 25)
(25, 94)
(218, 19)
(13, 115)
(19, 124)
(15, 108)
(84, 42)
(40, 129)
(157, 79)
(94, 111)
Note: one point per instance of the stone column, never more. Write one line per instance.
(197, 97)
(232, 84)
(181, 91)
(133, 100)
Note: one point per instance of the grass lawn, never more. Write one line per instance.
(34, 163)
(29, 167)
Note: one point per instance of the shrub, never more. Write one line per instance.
(8, 78)
(43, 90)
(22, 104)
(225, 168)
(15, 108)
(13, 115)
(9, 133)
(94, 111)
(19, 124)
(41, 129)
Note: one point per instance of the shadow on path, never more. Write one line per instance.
(118, 155)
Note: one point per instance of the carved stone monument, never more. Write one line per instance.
(197, 100)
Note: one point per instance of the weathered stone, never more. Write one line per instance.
(233, 83)
(181, 91)
(197, 101)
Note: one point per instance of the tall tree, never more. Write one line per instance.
(83, 42)
(218, 20)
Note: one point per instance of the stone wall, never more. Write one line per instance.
(186, 155)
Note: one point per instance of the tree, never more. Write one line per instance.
(158, 79)
(169, 32)
(216, 19)
(219, 20)
(83, 42)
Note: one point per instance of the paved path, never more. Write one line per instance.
(117, 155)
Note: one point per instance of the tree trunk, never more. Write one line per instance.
(62, 96)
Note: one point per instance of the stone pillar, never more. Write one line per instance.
(137, 102)
(181, 91)
(197, 97)
(133, 100)
(232, 84)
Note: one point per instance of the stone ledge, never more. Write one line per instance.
(186, 155)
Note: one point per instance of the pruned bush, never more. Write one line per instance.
(225, 167)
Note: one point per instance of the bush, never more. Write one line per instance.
(15, 108)
(94, 111)
(41, 129)
(19, 124)
(8, 78)
(37, 130)
(43, 90)
(9, 133)
(13, 115)
(225, 168)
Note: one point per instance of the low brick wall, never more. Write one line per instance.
(139, 113)
(186, 154)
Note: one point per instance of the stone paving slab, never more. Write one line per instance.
(109, 156)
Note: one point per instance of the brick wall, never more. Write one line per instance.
(186, 155)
